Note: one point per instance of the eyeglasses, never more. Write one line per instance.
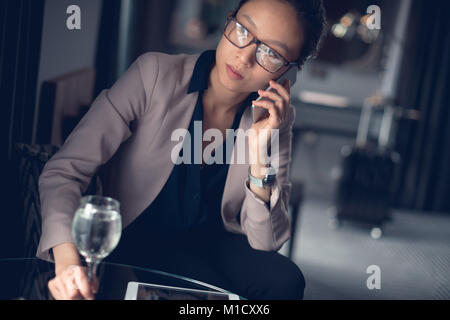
(266, 57)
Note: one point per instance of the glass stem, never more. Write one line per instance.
(92, 268)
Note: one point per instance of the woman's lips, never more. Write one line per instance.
(233, 74)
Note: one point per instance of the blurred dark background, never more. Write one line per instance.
(370, 156)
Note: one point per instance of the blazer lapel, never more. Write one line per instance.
(179, 110)
(178, 116)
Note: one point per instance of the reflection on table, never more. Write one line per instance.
(28, 279)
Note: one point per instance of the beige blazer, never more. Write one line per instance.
(127, 131)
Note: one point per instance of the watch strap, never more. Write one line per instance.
(261, 182)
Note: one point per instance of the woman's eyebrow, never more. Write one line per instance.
(281, 44)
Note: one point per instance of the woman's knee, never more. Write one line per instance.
(289, 282)
(282, 280)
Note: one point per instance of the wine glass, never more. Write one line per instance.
(96, 229)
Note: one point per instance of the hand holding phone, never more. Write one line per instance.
(291, 74)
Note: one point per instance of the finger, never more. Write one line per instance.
(271, 95)
(94, 284)
(279, 101)
(269, 106)
(63, 289)
(82, 282)
(60, 289)
(72, 289)
(285, 93)
(273, 111)
(54, 291)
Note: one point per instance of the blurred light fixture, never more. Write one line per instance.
(348, 19)
(367, 35)
(345, 29)
(339, 30)
(352, 24)
(365, 20)
(323, 99)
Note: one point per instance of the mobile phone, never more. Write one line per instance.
(291, 74)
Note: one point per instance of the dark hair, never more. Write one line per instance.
(311, 14)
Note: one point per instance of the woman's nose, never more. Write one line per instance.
(247, 55)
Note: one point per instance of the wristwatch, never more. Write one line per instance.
(268, 180)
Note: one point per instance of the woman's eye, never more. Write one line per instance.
(270, 53)
(241, 30)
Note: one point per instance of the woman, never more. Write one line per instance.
(201, 220)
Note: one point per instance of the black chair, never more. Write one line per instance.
(29, 162)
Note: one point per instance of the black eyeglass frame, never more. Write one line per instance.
(257, 42)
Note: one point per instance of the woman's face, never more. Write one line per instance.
(275, 23)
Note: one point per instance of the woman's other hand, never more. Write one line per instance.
(277, 108)
(72, 284)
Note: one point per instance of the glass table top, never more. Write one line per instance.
(27, 278)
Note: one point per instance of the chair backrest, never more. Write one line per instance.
(30, 161)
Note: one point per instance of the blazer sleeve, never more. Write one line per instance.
(91, 144)
(268, 226)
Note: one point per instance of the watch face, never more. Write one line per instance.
(269, 179)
